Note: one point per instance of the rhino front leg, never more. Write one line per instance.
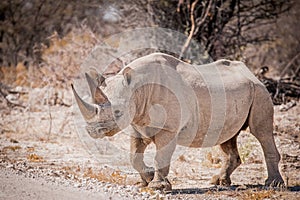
(165, 143)
(231, 162)
(137, 149)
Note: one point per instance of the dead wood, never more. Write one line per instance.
(282, 90)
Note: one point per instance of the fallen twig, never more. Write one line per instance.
(50, 117)
(289, 65)
(282, 90)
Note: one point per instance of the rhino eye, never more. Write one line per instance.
(118, 113)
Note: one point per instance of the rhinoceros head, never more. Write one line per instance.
(110, 97)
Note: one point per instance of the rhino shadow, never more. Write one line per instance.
(231, 188)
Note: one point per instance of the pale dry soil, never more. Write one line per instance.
(45, 154)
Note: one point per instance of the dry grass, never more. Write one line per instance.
(148, 190)
(256, 195)
(245, 150)
(111, 176)
(213, 158)
(11, 148)
(30, 149)
(35, 158)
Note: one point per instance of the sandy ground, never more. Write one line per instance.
(17, 186)
(43, 155)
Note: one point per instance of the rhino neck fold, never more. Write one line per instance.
(142, 100)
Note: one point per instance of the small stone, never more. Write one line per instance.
(78, 185)
(10, 166)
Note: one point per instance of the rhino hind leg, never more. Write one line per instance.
(261, 126)
(230, 163)
(272, 158)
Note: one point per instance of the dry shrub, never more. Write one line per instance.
(15, 75)
(7, 74)
(62, 59)
(48, 83)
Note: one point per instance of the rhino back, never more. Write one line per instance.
(225, 94)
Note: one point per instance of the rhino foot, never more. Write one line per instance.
(141, 184)
(148, 175)
(163, 185)
(218, 180)
(275, 182)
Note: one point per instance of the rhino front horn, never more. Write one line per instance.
(88, 111)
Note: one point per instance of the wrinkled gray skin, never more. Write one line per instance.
(155, 113)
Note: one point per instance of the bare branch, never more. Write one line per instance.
(202, 20)
(289, 65)
(187, 43)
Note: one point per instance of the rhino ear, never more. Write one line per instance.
(127, 73)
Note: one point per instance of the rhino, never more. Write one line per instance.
(162, 100)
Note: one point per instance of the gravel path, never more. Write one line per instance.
(16, 184)
(20, 186)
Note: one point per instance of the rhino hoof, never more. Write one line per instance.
(164, 186)
(148, 175)
(141, 184)
(275, 182)
(223, 181)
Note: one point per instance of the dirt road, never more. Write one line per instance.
(14, 186)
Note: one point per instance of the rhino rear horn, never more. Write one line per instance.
(88, 111)
(98, 96)
(97, 77)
